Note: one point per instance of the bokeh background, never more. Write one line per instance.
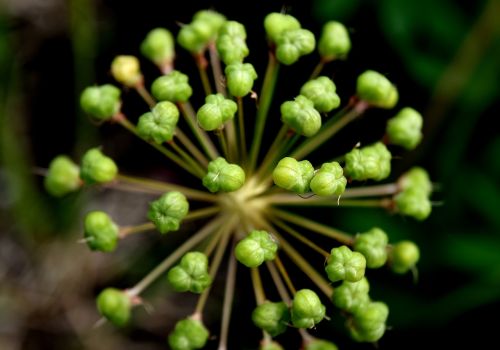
(444, 55)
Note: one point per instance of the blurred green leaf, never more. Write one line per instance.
(326, 10)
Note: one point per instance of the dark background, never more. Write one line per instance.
(444, 57)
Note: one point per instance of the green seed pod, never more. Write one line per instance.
(321, 91)
(329, 180)
(240, 78)
(63, 177)
(101, 102)
(270, 345)
(168, 211)
(231, 44)
(191, 274)
(344, 264)
(215, 19)
(97, 168)
(301, 116)
(405, 129)
(307, 309)
(369, 322)
(126, 70)
(413, 202)
(215, 112)
(373, 245)
(276, 23)
(334, 41)
(254, 249)
(223, 176)
(188, 334)
(320, 344)
(369, 162)
(158, 46)
(377, 90)
(173, 87)
(159, 125)
(404, 256)
(271, 317)
(417, 178)
(196, 35)
(114, 305)
(293, 175)
(292, 44)
(350, 296)
(101, 233)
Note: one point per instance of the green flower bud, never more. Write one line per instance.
(97, 168)
(321, 91)
(101, 102)
(216, 111)
(223, 176)
(417, 178)
(334, 41)
(158, 46)
(231, 44)
(271, 317)
(301, 116)
(413, 202)
(405, 129)
(404, 256)
(126, 70)
(196, 35)
(293, 175)
(254, 249)
(215, 19)
(63, 177)
(307, 309)
(344, 264)
(240, 78)
(173, 87)
(100, 231)
(188, 334)
(320, 344)
(369, 162)
(168, 211)
(276, 23)
(114, 305)
(270, 346)
(377, 90)
(191, 274)
(369, 322)
(350, 296)
(329, 180)
(292, 44)
(373, 245)
(159, 125)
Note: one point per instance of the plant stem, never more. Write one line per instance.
(176, 255)
(216, 69)
(266, 97)
(195, 152)
(222, 142)
(201, 63)
(300, 237)
(319, 67)
(128, 230)
(314, 226)
(200, 134)
(228, 300)
(202, 213)
(281, 268)
(295, 256)
(288, 199)
(279, 283)
(195, 166)
(274, 150)
(260, 295)
(146, 96)
(232, 146)
(371, 191)
(335, 124)
(161, 187)
(241, 128)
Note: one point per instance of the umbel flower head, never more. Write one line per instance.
(246, 192)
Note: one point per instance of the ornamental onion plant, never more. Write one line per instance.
(248, 191)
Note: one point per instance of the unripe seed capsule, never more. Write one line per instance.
(321, 91)
(240, 78)
(168, 211)
(191, 274)
(101, 102)
(301, 116)
(223, 176)
(97, 168)
(254, 249)
(159, 125)
(344, 264)
(292, 44)
(271, 317)
(216, 111)
(173, 87)
(101, 233)
(350, 296)
(188, 334)
(126, 70)
(320, 344)
(63, 177)
(276, 23)
(114, 305)
(334, 41)
(158, 46)
(376, 89)
(373, 245)
(293, 175)
(307, 309)
(329, 180)
(404, 256)
(405, 129)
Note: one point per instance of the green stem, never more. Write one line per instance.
(200, 134)
(314, 226)
(146, 96)
(123, 121)
(371, 191)
(260, 295)
(241, 128)
(162, 187)
(281, 268)
(195, 152)
(128, 230)
(216, 69)
(228, 300)
(232, 146)
(176, 255)
(266, 97)
(201, 63)
(195, 166)
(287, 199)
(319, 67)
(222, 142)
(278, 283)
(334, 125)
(302, 263)
(274, 150)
